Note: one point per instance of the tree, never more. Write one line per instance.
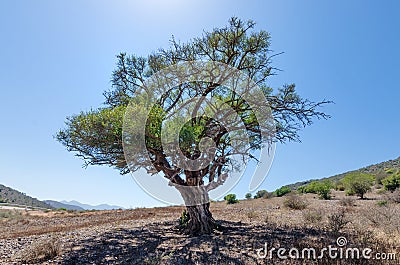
(322, 188)
(231, 199)
(392, 182)
(248, 195)
(358, 183)
(282, 191)
(260, 194)
(95, 135)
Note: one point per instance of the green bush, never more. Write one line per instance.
(392, 182)
(230, 199)
(248, 196)
(260, 194)
(322, 188)
(184, 219)
(358, 183)
(282, 191)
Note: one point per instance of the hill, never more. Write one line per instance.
(58, 205)
(374, 169)
(9, 195)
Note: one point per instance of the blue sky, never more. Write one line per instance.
(57, 58)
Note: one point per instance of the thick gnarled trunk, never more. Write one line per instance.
(198, 209)
(200, 220)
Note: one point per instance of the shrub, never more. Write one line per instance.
(394, 196)
(301, 189)
(339, 186)
(260, 194)
(322, 188)
(282, 191)
(347, 202)
(358, 183)
(337, 221)
(312, 216)
(295, 202)
(248, 196)
(230, 199)
(392, 182)
(184, 219)
(41, 251)
(251, 215)
(382, 203)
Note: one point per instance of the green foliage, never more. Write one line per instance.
(322, 188)
(95, 136)
(392, 182)
(62, 209)
(382, 203)
(358, 183)
(339, 186)
(282, 191)
(184, 219)
(260, 194)
(248, 195)
(231, 199)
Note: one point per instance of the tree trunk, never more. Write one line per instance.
(198, 209)
(200, 220)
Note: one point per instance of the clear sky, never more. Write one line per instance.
(57, 58)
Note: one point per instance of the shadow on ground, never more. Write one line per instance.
(161, 243)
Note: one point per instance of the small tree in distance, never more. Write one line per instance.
(358, 183)
(248, 196)
(231, 199)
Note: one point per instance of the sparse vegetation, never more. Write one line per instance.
(337, 221)
(41, 251)
(312, 216)
(347, 202)
(295, 202)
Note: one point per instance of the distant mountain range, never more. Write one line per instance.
(59, 205)
(91, 207)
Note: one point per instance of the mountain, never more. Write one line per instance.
(91, 207)
(375, 169)
(59, 205)
(9, 195)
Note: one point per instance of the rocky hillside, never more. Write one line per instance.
(9, 195)
(374, 169)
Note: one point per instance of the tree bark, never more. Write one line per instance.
(198, 209)
(200, 220)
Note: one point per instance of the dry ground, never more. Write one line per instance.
(150, 236)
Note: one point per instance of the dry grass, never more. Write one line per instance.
(41, 251)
